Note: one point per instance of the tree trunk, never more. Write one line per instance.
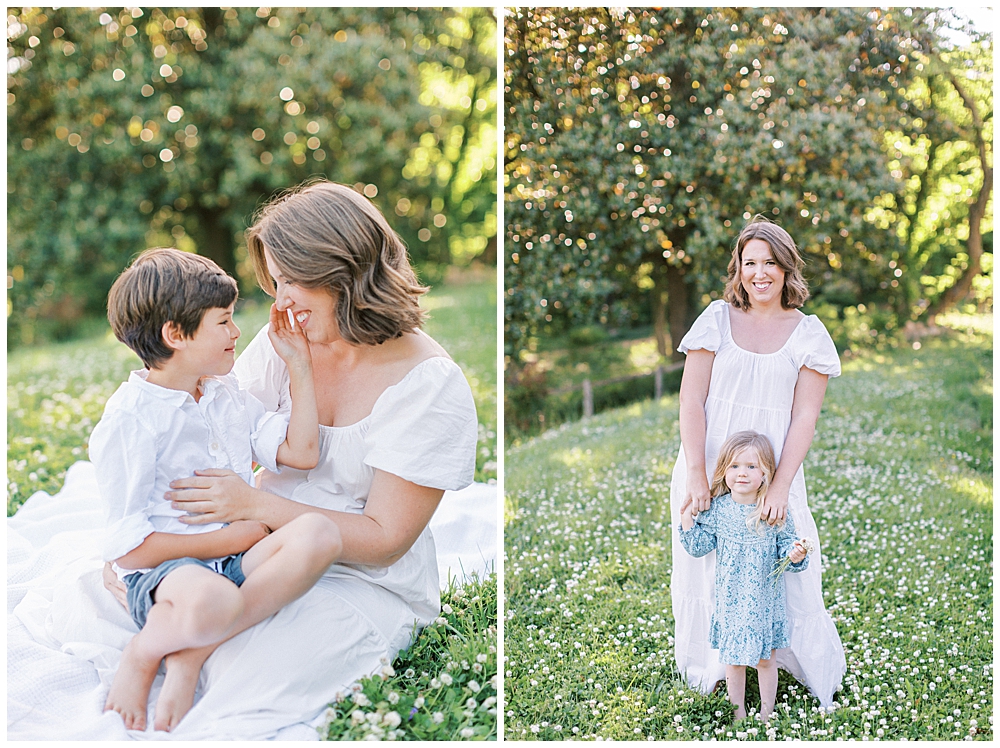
(214, 239)
(977, 211)
(660, 313)
(678, 312)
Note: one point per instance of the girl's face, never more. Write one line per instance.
(744, 476)
(314, 309)
(762, 278)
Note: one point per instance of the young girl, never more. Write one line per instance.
(749, 621)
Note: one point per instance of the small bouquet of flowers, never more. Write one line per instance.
(782, 565)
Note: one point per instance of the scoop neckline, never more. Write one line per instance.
(386, 390)
(729, 331)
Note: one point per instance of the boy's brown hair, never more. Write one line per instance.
(165, 285)
(325, 235)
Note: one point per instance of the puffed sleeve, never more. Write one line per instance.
(786, 539)
(263, 374)
(706, 332)
(814, 348)
(123, 451)
(424, 429)
(701, 538)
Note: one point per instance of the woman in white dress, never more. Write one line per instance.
(398, 427)
(754, 361)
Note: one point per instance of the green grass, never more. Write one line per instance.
(900, 481)
(56, 393)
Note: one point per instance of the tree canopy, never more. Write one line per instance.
(639, 142)
(136, 127)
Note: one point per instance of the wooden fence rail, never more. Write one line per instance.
(588, 387)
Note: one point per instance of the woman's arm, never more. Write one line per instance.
(810, 389)
(694, 393)
(300, 449)
(396, 513)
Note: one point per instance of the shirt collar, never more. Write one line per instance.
(209, 388)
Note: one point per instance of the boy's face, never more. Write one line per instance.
(212, 348)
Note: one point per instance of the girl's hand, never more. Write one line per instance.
(114, 585)
(775, 505)
(289, 342)
(212, 495)
(797, 553)
(698, 496)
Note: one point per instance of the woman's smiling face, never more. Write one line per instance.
(314, 309)
(761, 277)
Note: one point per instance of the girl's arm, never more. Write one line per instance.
(301, 446)
(396, 513)
(810, 389)
(789, 545)
(164, 546)
(694, 393)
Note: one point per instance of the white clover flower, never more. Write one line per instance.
(392, 719)
(447, 608)
(418, 702)
(441, 620)
(493, 682)
(481, 657)
(474, 687)
(446, 679)
(490, 701)
(393, 697)
(437, 718)
(357, 717)
(470, 704)
(339, 696)
(435, 683)
(410, 672)
(477, 668)
(535, 729)
(388, 671)
(360, 699)
(467, 732)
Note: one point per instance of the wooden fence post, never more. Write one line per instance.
(588, 399)
(658, 382)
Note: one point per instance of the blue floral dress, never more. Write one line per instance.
(749, 618)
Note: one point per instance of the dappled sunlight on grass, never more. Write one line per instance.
(900, 481)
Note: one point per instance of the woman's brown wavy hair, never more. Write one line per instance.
(785, 253)
(325, 235)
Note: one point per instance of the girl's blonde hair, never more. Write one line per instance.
(735, 444)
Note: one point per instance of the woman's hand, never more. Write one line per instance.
(775, 505)
(212, 495)
(289, 342)
(698, 494)
(114, 585)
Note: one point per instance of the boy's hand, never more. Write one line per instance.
(289, 342)
(243, 534)
(797, 553)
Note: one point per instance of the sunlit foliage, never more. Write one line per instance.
(130, 128)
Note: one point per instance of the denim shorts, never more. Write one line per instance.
(142, 586)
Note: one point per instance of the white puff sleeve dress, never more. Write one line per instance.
(287, 668)
(754, 391)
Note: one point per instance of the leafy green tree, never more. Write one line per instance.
(638, 142)
(136, 127)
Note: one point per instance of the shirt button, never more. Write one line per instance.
(215, 446)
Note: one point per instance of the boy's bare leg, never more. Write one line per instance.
(767, 677)
(279, 569)
(194, 606)
(736, 688)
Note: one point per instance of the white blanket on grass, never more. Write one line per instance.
(65, 633)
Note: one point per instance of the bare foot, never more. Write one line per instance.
(177, 694)
(130, 689)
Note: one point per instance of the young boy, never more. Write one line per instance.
(183, 413)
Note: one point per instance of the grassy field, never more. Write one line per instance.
(900, 481)
(56, 393)
(444, 687)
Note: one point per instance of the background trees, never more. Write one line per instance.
(139, 127)
(637, 143)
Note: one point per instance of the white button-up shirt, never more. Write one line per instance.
(150, 435)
